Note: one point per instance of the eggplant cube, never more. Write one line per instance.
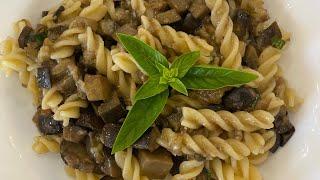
(97, 87)
(43, 77)
(112, 110)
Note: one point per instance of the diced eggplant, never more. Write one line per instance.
(199, 9)
(139, 77)
(122, 16)
(97, 87)
(43, 78)
(149, 140)
(287, 136)
(110, 167)
(57, 13)
(208, 96)
(177, 160)
(60, 71)
(112, 110)
(190, 24)
(155, 165)
(276, 145)
(242, 24)
(174, 120)
(265, 38)
(109, 134)
(95, 148)
(75, 155)
(55, 32)
(25, 36)
(168, 17)
(241, 99)
(157, 5)
(82, 22)
(179, 5)
(67, 86)
(89, 59)
(216, 107)
(251, 57)
(74, 133)
(110, 178)
(107, 27)
(128, 29)
(46, 124)
(88, 119)
(44, 13)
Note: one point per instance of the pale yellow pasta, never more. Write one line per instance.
(145, 36)
(19, 25)
(129, 165)
(256, 9)
(291, 100)
(70, 109)
(259, 158)
(270, 103)
(51, 99)
(45, 144)
(189, 170)
(228, 121)
(178, 40)
(125, 62)
(183, 143)
(80, 175)
(231, 48)
(95, 11)
(181, 101)
(138, 6)
(64, 46)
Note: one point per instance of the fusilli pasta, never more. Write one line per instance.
(79, 175)
(138, 6)
(212, 120)
(96, 11)
(45, 144)
(145, 36)
(189, 170)
(129, 165)
(51, 99)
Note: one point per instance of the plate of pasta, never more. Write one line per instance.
(160, 89)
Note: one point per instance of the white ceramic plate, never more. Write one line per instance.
(298, 160)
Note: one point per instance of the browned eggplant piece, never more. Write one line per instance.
(97, 87)
(110, 167)
(107, 27)
(74, 133)
(251, 57)
(179, 5)
(174, 120)
(208, 96)
(44, 13)
(25, 36)
(139, 77)
(242, 24)
(168, 17)
(112, 110)
(216, 107)
(177, 160)
(122, 16)
(110, 178)
(155, 165)
(88, 119)
(75, 155)
(82, 22)
(95, 148)
(241, 99)
(55, 32)
(109, 134)
(45, 122)
(190, 24)
(157, 5)
(57, 13)
(265, 38)
(149, 140)
(43, 78)
(199, 9)
(129, 29)
(60, 71)
(67, 86)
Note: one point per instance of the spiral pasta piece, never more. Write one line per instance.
(228, 121)
(189, 170)
(129, 165)
(79, 175)
(179, 41)
(125, 62)
(64, 46)
(45, 144)
(176, 101)
(51, 99)
(183, 143)
(138, 6)
(95, 11)
(70, 109)
(231, 48)
(145, 36)
(259, 158)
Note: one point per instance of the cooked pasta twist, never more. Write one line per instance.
(270, 103)
(183, 143)
(64, 46)
(138, 6)
(70, 109)
(125, 62)
(129, 165)
(179, 41)
(189, 170)
(145, 36)
(228, 121)
(19, 25)
(45, 144)
(79, 175)
(51, 99)
(259, 158)
(72, 9)
(181, 101)
(231, 48)
(95, 11)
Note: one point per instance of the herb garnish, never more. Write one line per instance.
(181, 75)
(277, 42)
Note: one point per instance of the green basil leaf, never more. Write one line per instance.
(150, 88)
(212, 77)
(140, 118)
(184, 62)
(145, 56)
(179, 86)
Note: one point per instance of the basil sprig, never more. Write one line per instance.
(181, 75)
